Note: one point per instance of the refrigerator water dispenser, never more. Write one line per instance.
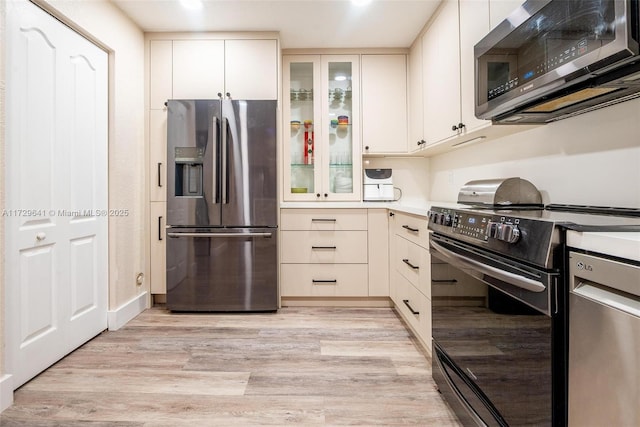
(189, 171)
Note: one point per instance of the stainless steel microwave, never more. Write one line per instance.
(552, 59)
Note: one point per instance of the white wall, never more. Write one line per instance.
(591, 159)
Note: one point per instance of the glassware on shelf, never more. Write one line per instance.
(301, 94)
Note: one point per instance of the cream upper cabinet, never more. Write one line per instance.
(441, 77)
(449, 70)
(474, 25)
(198, 69)
(500, 9)
(415, 95)
(321, 130)
(448, 80)
(384, 103)
(251, 69)
(244, 69)
(160, 73)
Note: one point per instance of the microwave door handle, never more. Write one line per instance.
(511, 278)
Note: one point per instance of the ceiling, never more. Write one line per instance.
(301, 23)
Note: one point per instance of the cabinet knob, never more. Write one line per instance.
(220, 95)
(458, 127)
(326, 195)
(366, 147)
(41, 236)
(228, 95)
(318, 195)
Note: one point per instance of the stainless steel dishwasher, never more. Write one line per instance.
(604, 341)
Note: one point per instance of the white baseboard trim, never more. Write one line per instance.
(122, 315)
(6, 392)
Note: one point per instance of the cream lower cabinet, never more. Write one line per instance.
(410, 265)
(158, 260)
(326, 253)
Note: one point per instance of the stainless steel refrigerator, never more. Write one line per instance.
(221, 206)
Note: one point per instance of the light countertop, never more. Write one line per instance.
(620, 244)
(415, 207)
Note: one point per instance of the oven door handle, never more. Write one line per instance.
(511, 278)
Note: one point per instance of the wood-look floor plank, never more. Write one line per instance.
(141, 381)
(299, 366)
(391, 349)
(168, 410)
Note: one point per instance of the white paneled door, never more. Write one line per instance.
(56, 191)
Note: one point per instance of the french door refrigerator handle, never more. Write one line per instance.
(223, 162)
(214, 129)
(514, 279)
(230, 235)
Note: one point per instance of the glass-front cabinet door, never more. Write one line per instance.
(322, 160)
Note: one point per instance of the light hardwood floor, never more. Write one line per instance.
(299, 366)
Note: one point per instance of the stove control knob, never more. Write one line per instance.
(493, 229)
(509, 233)
(446, 219)
(435, 218)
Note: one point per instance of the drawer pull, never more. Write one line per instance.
(406, 227)
(322, 220)
(406, 302)
(325, 282)
(406, 261)
(323, 247)
(449, 281)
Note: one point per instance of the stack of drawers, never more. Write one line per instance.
(324, 253)
(411, 273)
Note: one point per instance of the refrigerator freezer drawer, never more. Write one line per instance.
(220, 271)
